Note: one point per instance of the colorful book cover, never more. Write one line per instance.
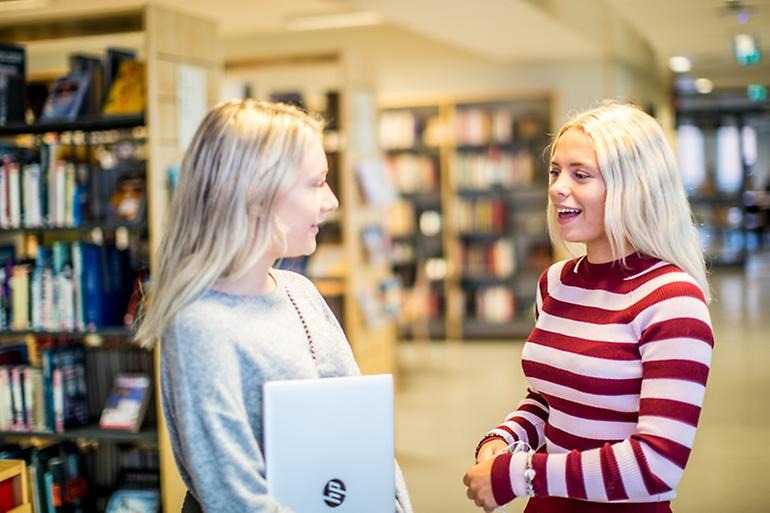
(127, 403)
(134, 501)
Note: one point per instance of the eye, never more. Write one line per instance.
(553, 174)
(581, 175)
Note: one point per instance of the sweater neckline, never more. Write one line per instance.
(271, 297)
(634, 264)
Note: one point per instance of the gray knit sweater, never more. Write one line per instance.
(215, 357)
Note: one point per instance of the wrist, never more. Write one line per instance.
(500, 476)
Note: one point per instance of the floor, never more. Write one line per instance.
(449, 394)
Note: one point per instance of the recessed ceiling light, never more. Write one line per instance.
(703, 85)
(679, 64)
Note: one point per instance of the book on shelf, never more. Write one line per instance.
(128, 198)
(377, 244)
(66, 97)
(57, 478)
(127, 403)
(134, 501)
(12, 83)
(93, 66)
(375, 183)
(112, 58)
(127, 94)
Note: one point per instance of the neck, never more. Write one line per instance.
(257, 281)
(600, 252)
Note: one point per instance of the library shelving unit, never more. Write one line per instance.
(485, 160)
(347, 266)
(412, 140)
(182, 60)
(718, 156)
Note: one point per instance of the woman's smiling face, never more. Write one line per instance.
(577, 192)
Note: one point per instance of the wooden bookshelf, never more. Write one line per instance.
(16, 472)
(490, 196)
(169, 42)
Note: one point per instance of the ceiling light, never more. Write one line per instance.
(336, 20)
(703, 85)
(679, 64)
(746, 49)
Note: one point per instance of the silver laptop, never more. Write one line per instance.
(329, 444)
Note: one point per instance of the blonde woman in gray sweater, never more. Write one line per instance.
(252, 189)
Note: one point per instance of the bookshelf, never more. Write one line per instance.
(14, 486)
(413, 141)
(718, 157)
(346, 266)
(484, 159)
(168, 42)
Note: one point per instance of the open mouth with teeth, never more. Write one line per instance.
(568, 213)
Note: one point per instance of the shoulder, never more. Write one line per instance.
(663, 280)
(201, 324)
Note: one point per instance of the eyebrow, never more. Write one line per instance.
(579, 163)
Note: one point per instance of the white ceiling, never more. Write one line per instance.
(506, 30)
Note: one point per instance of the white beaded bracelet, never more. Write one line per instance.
(529, 476)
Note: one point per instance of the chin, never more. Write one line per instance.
(307, 250)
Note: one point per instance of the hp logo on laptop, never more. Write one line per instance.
(334, 493)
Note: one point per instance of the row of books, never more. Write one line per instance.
(74, 286)
(32, 197)
(404, 129)
(422, 303)
(496, 259)
(494, 168)
(481, 215)
(491, 304)
(411, 173)
(475, 126)
(63, 478)
(64, 386)
(50, 398)
(44, 190)
(471, 126)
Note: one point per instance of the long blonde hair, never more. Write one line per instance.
(646, 205)
(243, 156)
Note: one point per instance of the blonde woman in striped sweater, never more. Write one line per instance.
(618, 360)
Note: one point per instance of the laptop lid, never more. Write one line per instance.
(329, 444)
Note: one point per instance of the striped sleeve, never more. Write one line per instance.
(526, 423)
(675, 346)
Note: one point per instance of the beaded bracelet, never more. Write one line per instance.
(529, 476)
(484, 440)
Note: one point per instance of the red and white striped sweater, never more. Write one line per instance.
(617, 367)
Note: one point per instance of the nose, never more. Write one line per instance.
(330, 202)
(559, 188)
